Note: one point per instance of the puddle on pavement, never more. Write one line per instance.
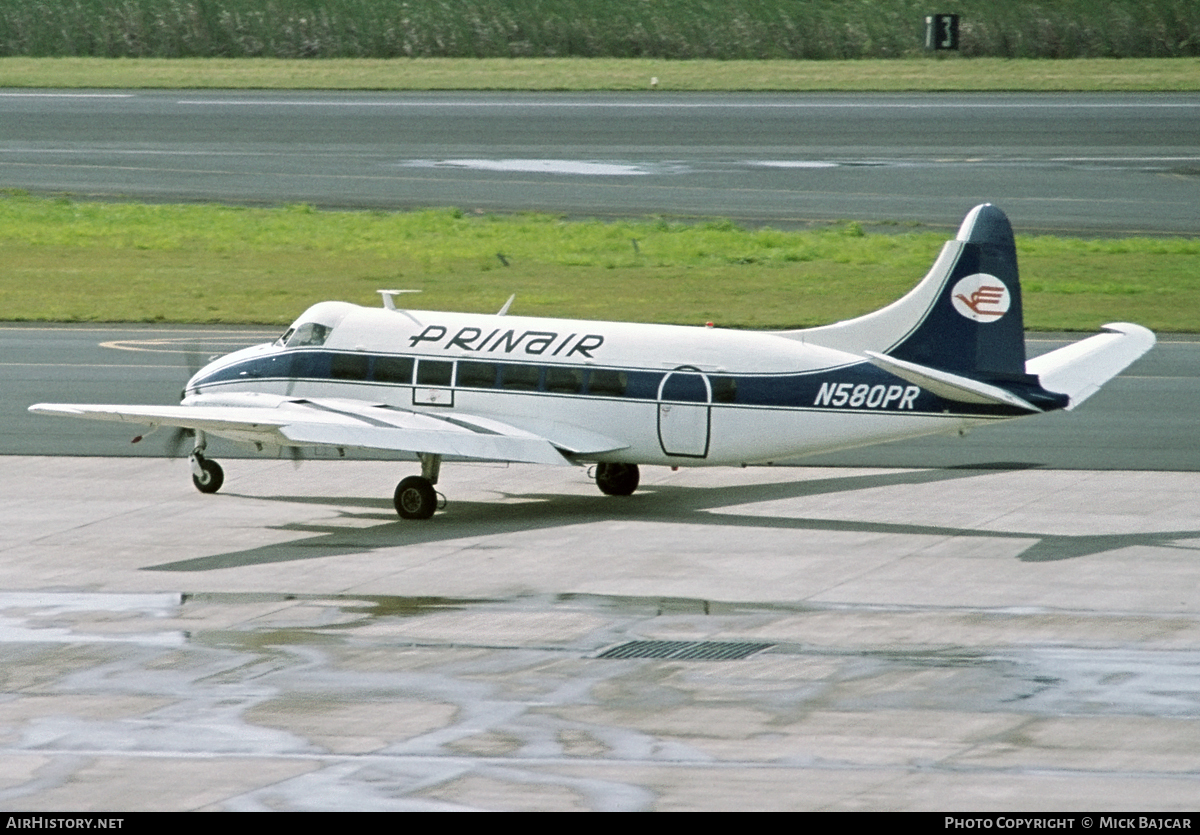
(376, 702)
(1057, 680)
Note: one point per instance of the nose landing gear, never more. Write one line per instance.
(206, 475)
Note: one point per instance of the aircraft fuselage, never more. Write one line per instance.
(682, 396)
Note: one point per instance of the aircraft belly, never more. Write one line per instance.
(741, 435)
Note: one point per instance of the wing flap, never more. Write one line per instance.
(571, 439)
(460, 444)
(1080, 369)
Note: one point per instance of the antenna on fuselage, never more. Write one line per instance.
(507, 305)
(389, 297)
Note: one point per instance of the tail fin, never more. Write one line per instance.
(965, 315)
(961, 331)
(975, 325)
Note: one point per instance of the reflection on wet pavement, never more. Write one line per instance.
(268, 701)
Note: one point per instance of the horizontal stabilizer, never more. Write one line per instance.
(1080, 369)
(947, 385)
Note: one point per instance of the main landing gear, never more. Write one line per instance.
(617, 479)
(415, 497)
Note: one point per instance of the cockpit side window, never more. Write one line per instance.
(309, 335)
(286, 336)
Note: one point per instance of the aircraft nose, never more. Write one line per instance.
(193, 383)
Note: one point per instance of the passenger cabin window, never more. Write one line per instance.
(564, 380)
(434, 373)
(521, 377)
(394, 370)
(349, 366)
(479, 375)
(608, 383)
(724, 389)
(309, 335)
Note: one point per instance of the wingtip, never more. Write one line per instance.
(1130, 329)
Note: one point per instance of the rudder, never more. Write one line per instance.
(975, 327)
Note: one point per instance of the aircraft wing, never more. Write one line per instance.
(355, 424)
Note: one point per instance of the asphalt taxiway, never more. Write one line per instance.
(1079, 163)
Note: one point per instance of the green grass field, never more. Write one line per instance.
(90, 262)
(585, 74)
(74, 261)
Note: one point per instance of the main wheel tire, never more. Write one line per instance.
(212, 479)
(617, 479)
(415, 498)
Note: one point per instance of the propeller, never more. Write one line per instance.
(179, 435)
(179, 438)
(182, 436)
(195, 361)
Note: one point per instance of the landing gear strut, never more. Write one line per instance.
(415, 497)
(617, 479)
(206, 475)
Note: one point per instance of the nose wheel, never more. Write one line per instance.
(206, 475)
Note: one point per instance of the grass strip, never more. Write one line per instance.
(69, 261)
(588, 74)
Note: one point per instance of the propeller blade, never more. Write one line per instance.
(177, 439)
(195, 361)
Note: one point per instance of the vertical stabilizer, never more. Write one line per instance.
(964, 317)
(975, 325)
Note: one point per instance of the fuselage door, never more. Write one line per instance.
(684, 413)
(434, 378)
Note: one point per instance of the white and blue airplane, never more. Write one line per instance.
(948, 356)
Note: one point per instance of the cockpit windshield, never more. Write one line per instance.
(315, 326)
(310, 334)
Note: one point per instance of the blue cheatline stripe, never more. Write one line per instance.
(859, 387)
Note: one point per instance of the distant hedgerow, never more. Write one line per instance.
(672, 29)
